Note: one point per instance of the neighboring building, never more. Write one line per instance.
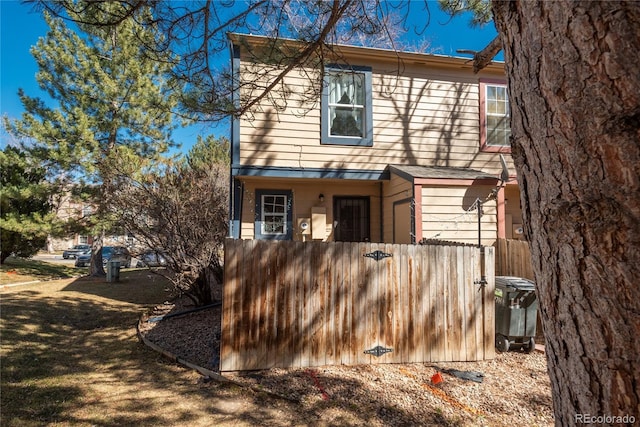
(69, 208)
(396, 149)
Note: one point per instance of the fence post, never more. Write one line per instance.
(489, 304)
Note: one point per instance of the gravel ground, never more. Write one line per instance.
(515, 387)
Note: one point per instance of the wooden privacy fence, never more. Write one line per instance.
(295, 304)
(513, 258)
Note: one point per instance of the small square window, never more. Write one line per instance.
(273, 214)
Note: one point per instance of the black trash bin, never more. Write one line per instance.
(516, 314)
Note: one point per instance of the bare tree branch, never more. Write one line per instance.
(485, 56)
(193, 34)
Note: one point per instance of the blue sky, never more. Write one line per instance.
(20, 29)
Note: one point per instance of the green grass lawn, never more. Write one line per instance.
(17, 270)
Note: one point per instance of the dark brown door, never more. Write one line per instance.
(351, 218)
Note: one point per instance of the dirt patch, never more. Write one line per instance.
(515, 387)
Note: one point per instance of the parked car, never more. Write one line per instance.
(151, 258)
(109, 253)
(75, 251)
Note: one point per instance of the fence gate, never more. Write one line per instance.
(294, 304)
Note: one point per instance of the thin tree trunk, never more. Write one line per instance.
(95, 267)
(574, 82)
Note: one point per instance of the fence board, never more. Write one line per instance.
(425, 302)
(470, 307)
(231, 259)
(248, 294)
(306, 306)
(513, 258)
(399, 305)
(295, 304)
(449, 302)
(407, 303)
(318, 273)
(362, 299)
(478, 307)
(489, 304)
(440, 313)
(459, 348)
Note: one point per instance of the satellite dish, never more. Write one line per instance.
(504, 175)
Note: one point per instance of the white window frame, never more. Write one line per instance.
(283, 198)
(486, 142)
(328, 107)
(264, 215)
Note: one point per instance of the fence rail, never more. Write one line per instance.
(295, 304)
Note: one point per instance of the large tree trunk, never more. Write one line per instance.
(574, 82)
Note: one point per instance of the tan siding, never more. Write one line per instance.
(395, 189)
(425, 116)
(402, 231)
(305, 196)
(447, 214)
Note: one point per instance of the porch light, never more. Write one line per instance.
(321, 197)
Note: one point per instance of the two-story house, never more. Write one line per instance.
(396, 148)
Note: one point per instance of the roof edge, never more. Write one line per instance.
(378, 53)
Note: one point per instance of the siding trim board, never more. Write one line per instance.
(456, 182)
(288, 172)
(235, 97)
(411, 172)
(236, 199)
(417, 211)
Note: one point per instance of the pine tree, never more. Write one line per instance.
(25, 211)
(113, 105)
(208, 151)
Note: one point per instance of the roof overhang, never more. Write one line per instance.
(440, 175)
(349, 51)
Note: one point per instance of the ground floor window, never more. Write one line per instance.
(273, 218)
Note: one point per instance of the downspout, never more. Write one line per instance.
(234, 146)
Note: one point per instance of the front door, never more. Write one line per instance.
(351, 219)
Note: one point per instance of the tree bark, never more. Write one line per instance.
(574, 87)
(96, 268)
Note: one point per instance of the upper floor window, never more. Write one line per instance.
(495, 127)
(87, 210)
(347, 118)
